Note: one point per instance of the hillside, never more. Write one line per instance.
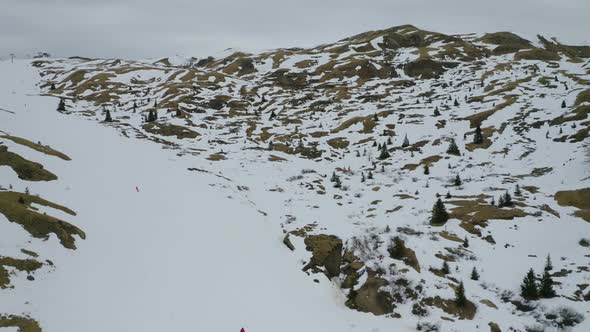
(185, 192)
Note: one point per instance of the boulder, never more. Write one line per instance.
(326, 253)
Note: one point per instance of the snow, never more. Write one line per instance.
(177, 255)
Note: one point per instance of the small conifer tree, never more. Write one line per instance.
(507, 199)
(546, 286)
(466, 242)
(337, 183)
(397, 248)
(460, 299)
(426, 169)
(107, 117)
(457, 181)
(384, 153)
(406, 142)
(453, 148)
(436, 111)
(563, 105)
(548, 264)
(439, 213)
(370, 175)
(478, 136)
(62, 105)
(474, 274)
(528, 288)
(501, 201)
(445, 268)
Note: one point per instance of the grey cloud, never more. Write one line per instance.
(150, 28)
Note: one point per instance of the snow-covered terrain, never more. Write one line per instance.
(188, 217)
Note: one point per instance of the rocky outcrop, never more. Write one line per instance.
(426, 68)
(326, 254)
(369, 297)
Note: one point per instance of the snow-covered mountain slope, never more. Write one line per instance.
(192, 178)
(183, 252)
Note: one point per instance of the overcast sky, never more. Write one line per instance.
(155, 28)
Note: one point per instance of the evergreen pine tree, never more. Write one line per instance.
(406, 142)
(453, 148)
(445, 268)
(436, 111)
(563, 105)
(517, 191)
(501, 201)
(362, 177)
(528, 288)
(546, 286)
(439, 213)
(426, 169)
(384, 153)
(466, 242)
(474, 274)
(507, 199)
(448, 195)
(460, 299)
(334, 177)
(370, 175)
(270, 146)
(389, 140)
(397, 248)
(337, 183)
(457, 182)
(52, 87)
(456, 103)
(272, 115)
(107, 117)
(548, 264)
(477, 137)
(62, 105)
(374, 143)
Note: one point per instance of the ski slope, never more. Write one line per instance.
(177, 255)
